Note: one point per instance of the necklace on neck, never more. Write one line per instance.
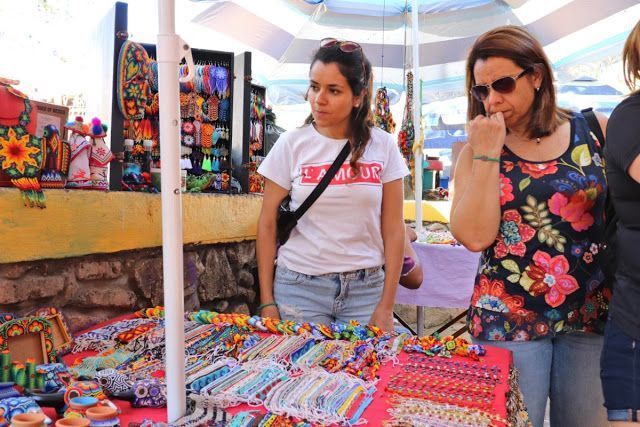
(537, 140)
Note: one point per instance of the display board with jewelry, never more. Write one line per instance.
(205, 112)
(257, 126)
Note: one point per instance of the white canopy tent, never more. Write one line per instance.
(288, 31)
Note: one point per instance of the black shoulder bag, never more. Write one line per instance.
(607, 251)
(287, 219)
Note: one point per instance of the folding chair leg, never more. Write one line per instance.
(451, 323)
(403, 323)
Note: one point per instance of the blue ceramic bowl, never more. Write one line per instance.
(83, 401)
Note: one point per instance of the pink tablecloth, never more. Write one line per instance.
(449, 272)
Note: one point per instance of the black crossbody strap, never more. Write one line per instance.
(324, 182)
(594, 124)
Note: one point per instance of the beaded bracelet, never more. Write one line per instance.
(268, 304)
(420, 412)
(320, 397)
(486, 159)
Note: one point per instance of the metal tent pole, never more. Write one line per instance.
(417, 113)
(171, 49)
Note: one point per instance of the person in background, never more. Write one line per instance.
(411, 274)
(529, 193)
(331, 268)
(620, 371)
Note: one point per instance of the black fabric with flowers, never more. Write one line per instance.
(540, 276)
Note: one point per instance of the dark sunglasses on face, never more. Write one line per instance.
(502, 85)
(344, 45)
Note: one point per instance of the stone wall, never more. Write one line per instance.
(94, 288)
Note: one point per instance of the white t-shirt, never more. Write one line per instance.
(341, 230)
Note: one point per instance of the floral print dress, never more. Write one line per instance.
(540, 276)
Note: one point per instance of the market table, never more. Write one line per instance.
(375, 413)
(128, 413)
(448, 275)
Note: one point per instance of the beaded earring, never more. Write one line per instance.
(207, 131)
(197, 125)
(211, 71)
(199, 102)
(212, 108)
(206, 163)
(223, 109)
(191, 108)
(221, 79)
(188, 140)
(184, 105)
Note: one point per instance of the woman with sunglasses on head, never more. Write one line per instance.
(330, 268)
(529, 193)
(621, 350)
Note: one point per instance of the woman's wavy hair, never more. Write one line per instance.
(631, 59)
(356, 68)
(515, 43)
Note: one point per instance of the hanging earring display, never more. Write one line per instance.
(382, 117)
(406, 136)
(257, 117)
(205, 112)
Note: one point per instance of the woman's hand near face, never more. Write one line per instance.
(487, 135)
(475, 210)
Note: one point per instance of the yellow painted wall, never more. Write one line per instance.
(431, 210)
(77, 222)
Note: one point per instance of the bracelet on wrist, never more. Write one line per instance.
(267, 304)
(487, 159)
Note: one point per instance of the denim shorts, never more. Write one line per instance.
(332, 297)
(620, 374)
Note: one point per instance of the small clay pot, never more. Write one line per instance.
(79, 405)
(72, 422)
(28, 419)
(101, 413)
(103, 416)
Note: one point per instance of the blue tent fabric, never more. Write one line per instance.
(289, 31)
(395, 7)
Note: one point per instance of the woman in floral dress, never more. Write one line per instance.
(529, 193)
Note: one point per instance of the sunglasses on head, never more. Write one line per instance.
(344, 45)
(503, 85)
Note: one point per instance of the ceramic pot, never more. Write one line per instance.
(84, 388)
(28, 419)
(103, 416)
(72, 422)
(79, 405)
